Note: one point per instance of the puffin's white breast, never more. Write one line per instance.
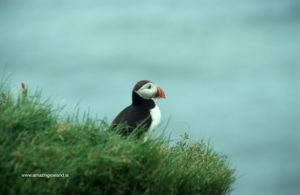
(156, 116)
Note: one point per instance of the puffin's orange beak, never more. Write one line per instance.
(159, 93)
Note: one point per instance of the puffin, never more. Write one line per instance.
(143, 112)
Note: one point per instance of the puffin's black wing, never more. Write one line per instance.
(131, 117)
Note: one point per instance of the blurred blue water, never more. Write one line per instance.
(230, 71)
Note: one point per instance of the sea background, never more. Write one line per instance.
(230, 71)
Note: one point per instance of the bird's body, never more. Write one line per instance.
(143, 112)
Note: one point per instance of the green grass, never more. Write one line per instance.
(35, 139)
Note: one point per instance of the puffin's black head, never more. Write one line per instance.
(147, 90)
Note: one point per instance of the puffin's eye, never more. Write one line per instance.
(149, 87)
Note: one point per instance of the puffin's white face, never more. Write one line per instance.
(150, 90)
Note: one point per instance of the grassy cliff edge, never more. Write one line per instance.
(42, 152)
